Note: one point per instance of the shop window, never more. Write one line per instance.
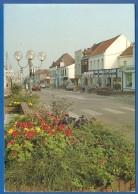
(129, 80)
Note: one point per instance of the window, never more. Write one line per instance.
(124, 63)
(128, 79)
(102, 64)
(90, 67)
(98, 64)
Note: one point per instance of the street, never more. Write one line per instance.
(117, 111)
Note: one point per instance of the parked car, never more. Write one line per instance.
(43, 85)
(36, 87)
(70, 87)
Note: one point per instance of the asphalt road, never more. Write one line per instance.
(117, 111)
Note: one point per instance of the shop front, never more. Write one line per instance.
(129, 78)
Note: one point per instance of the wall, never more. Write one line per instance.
(78, 57)
(95, 58)
(71, 71)
(128, 59)
(114, 50)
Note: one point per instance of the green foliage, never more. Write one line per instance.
(16, 89)
(60, 106)
(31, 99)
(91, 154)
(117, 86)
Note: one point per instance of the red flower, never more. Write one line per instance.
(14, 152)
(61, 127)
(30, 125)
(24, 133)
(30, 134)
(68, 132)
(23, 129)
(101, 161)
(19, 124)
(24, 125)
(116, 159)
(51, 132)
(119, 171)
(131, 155)
(11, 143)
(15, 133)
(121, 149)
(40, 122)
(44, 127)
(130, 171)
(56, 121)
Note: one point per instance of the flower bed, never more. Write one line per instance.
(61, 152)
(15, 100)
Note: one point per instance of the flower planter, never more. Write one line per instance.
(9, 110)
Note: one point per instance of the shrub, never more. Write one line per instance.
(31, 99)
(117, 86)
(60, 152)
(16, 89)
(60, 106)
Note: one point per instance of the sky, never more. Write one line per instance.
(57, 29)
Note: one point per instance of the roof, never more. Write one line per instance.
(43, 71)
(128, 51)
(66, 58)
(101, 47)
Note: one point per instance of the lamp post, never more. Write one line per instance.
(30, 55)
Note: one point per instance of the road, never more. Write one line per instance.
(117, 111)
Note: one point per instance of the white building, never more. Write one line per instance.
(103, 62)
(127, 65)
(8, 76)
(68, 72)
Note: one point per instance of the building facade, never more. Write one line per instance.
(127, 67)
(102, 61)
(61, 70)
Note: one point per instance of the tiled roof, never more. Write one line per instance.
(128, 51)
(43, 71)
(66, 58)
(101, 47)
(88, 51)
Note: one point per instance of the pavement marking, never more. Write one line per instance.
(127, 108)
(71, 114)
(71, 96)
(91, 112)
(113, 111)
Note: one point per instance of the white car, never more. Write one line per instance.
(43, 85)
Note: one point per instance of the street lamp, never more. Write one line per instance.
(30, 55)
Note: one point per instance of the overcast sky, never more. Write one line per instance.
(61, 28)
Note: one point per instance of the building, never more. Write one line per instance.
(101, 61)
(67, 74)
(61, 70)
(8, 76)
(127, 65)
(42, 76)
(78, 58)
